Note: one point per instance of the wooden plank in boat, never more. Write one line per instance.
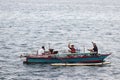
(79, 64)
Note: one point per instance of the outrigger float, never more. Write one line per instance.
(67, 59)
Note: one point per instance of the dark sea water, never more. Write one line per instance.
(26, 25)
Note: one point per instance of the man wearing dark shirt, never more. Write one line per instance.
(95, 49)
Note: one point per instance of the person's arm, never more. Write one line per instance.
(90, 50)
(69, 45)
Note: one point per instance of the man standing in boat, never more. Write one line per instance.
(94, 49)
(72, 49)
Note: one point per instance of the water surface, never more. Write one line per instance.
(26, 25)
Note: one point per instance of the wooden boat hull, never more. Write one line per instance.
(67, 59)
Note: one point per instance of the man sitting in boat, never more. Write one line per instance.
(72, 49)
(41, 51)
(94, 49)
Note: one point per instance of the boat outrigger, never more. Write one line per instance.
(66, 58)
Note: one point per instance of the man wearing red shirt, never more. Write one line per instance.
(72, 49)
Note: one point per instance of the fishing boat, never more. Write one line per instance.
(66, 58)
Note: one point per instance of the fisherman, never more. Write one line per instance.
(71, 48)
(41, 51)
(94, 49)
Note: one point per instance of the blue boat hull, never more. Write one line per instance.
(70, 59)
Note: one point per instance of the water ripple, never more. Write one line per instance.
(25, 27)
